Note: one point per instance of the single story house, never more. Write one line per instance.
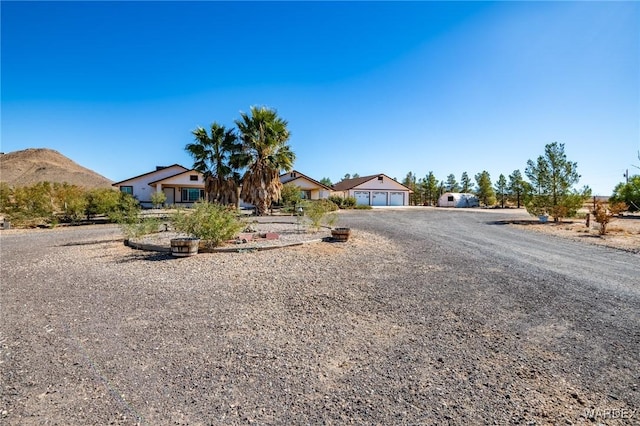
(180, 185)
(458, 199)
(374, 190)
(310, 188)
(183, 187)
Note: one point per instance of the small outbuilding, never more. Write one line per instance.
(458, 199)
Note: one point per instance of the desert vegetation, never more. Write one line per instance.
(47, 204)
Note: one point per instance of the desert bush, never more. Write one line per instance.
(319, 212)
(212, 223)
(363, 207)
(30, 205)
(106, 201)
(126, 209)
(158, 199)
(140, 227)
(71, 201)
(603, 214)
(47, 203)
(343, 202)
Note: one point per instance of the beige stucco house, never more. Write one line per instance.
(310, 188)
(183, 187)
(180, 185)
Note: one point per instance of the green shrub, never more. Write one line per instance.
(212, 223)
(158, 199)
(349, 202)
(71, 201)
(343, 202)
(141, 227)
(317, 212)
(363, 207)
(106, 201)
(126, 209)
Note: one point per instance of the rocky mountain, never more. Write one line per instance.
(33, 165)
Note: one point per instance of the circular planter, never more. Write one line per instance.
(340, 234)
(184, 247)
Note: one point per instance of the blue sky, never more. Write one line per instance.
(367, 87)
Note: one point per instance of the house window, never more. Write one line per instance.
(450, 198)
(305, 195)
(127, 189)
(190, 195)
(193, 177)
(380, 178)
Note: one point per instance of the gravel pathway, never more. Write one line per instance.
(406, 323)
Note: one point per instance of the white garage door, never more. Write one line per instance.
(396, 198)
(362, 197)
(379, 198)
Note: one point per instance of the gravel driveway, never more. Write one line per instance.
(425, 316)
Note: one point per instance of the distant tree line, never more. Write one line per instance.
(549, 187)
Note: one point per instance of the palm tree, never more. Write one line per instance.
(265, 153)
(214, 156)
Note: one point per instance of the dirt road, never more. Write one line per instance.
(423, 317)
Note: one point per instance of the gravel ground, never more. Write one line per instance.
(422, 317)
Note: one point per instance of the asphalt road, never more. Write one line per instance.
(459, 319)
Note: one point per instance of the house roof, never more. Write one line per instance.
(347, 184)
(174, 175)
(301, 175)
(149, 173)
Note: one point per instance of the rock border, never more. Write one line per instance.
(236, 249)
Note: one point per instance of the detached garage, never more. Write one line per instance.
(374, 190)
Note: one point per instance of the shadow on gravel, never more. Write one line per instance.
(90, 243)
(526, 222)
(150, 257)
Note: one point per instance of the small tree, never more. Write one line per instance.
(501, 189)
(517, 187)
(603, 214)
(485, 190)
(465, 183)
(290, 195)
(628, 193)
(451, 185)
(410, 182)
(552, 177)
(430, 189)
(326, 181)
